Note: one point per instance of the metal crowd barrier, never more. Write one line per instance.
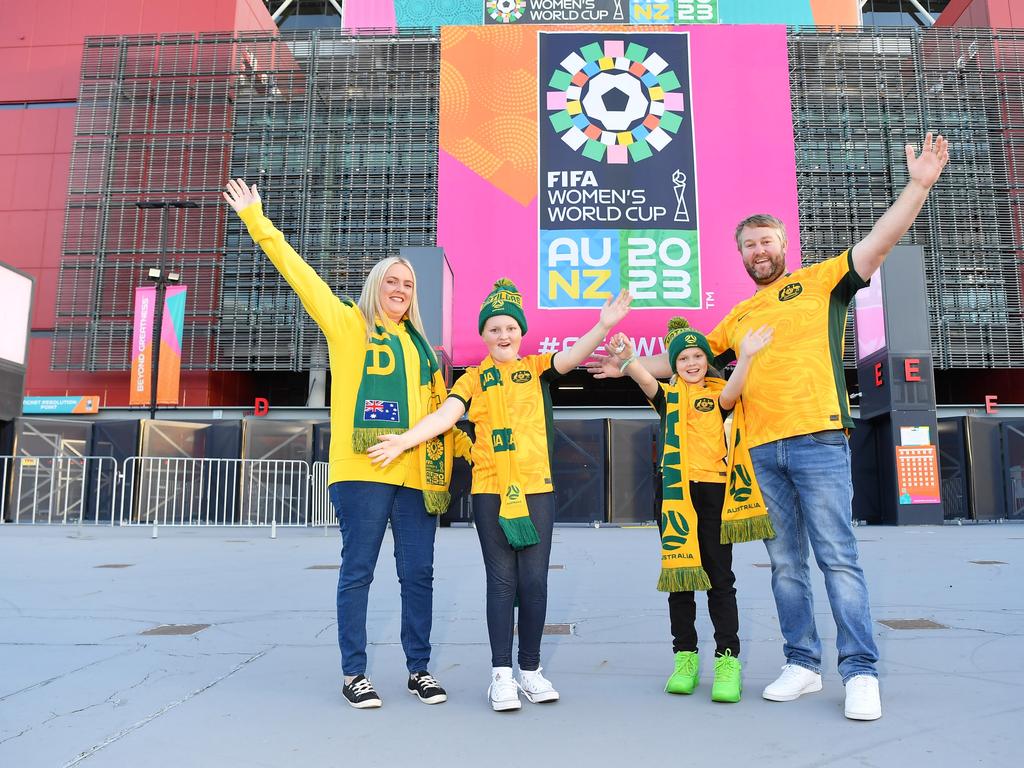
(238, 492)
(58, 489)
(321, 511)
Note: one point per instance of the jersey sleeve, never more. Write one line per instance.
(467, 386)
(839, 275)
(334, 316)
(658, 402)
(543, 366)
(719, 342)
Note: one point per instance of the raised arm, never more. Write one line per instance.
(316, 296)
(924, 171)
(607, 366)
(753, 342)
(611, 314)
(433, 424)
(623, 350)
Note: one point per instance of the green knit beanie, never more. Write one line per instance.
(504, 299)
(681, 335)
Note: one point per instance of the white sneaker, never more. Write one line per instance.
(862, 701)
(793, 683)
(503, 691)
(537, 688)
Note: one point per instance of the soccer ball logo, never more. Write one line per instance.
(615, 103)
(506, 11)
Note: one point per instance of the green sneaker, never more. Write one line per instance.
(728, 683)
(686, 675)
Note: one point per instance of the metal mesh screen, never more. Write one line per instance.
(340, 133)
(858, 98)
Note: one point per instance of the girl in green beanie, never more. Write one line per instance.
(696, 543)
(508, 401)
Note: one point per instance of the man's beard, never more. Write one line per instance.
(777, 269)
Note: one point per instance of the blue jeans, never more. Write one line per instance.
(363, 510)
(808, 489)
(512, 574)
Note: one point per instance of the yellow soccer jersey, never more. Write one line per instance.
(796, 384)
(528, 398)
(705, 431)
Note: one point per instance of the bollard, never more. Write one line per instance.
(154, 531)
(273, 529)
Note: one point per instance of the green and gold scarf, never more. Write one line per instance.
(514, 515)
(744, 515)
(681, 569)
(382, 406)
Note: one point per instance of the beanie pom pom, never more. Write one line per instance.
(505, 283)
(678, 323)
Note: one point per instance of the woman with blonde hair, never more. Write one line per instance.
(385, 378)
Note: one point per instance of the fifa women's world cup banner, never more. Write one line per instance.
(582, 162)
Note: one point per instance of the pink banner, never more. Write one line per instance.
(142, 346)
(168, 382)
(488, 205)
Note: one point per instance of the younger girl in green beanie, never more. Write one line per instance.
(509, 403)
(699, 520)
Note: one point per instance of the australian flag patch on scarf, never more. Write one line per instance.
(380, 410)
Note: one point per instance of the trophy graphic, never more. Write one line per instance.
(619, 15)
(679, 187)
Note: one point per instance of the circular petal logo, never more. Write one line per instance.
(506, 11)
(615, 103)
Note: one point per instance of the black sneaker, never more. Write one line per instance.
(424, 685)
(360, 693)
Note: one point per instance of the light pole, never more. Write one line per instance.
(162, 280)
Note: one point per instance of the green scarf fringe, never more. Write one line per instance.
(437, 502)
(747, 529)
(520, 532)
(363, 438)
(684, 580)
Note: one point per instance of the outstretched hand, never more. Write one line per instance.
(615, 309)
(387, 449)
(239, 195)
(926, 167)
(754, 341)
(603, 367)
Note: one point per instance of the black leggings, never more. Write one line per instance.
(511, 573)
(717, 561)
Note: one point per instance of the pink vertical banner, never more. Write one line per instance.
(172, 326)
(142, 345)
(169, 377)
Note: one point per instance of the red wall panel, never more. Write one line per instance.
(32, 182)
(23, 245)
(40, 58)
(38, 130)
(7, 163)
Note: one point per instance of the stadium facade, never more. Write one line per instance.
(340, 127)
